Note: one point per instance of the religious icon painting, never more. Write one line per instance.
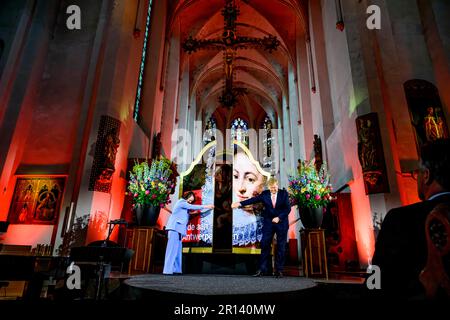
(425, 110)
(36, 200)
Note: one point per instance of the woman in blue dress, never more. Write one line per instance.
(177, 227)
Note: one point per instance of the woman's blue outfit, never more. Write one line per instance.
(177, 227)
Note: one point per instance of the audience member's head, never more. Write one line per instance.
(433, 175)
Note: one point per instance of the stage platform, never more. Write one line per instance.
(217, 286)
(220, 263)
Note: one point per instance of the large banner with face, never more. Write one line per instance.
(236, 176)
(249, 180)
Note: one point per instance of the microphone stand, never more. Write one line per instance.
(102, 265)
(112, 225)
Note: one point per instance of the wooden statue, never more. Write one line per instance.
(371, 154)
(157, 146)
(318, 162)
(434, 125)
(111, 143)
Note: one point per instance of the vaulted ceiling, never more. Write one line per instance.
(262, 73)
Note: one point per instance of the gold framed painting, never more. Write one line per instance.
(36, 200)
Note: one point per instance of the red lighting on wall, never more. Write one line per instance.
(362, 217)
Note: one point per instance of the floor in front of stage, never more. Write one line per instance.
(218, 284)
(195, 287)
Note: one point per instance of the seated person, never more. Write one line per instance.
(401, 246)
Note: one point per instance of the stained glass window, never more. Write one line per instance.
(2, 45)
(267, 143)
(239, 131)
(142, 65)
(210, 131)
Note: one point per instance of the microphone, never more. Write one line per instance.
(118, 221)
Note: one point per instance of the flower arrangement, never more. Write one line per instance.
(151, 185)
(309, 188)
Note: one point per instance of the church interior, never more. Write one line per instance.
(96, 96)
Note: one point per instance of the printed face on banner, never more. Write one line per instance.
(239, 179)
(248, 182)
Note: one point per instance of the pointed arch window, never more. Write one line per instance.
(239, 131)
(137, 104)
(210, 131)
(2, 47)
(267, 142)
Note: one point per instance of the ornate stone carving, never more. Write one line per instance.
(106, 149)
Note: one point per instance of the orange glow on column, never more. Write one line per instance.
(362, 216)
(162, 219)
(292, 232)
(98, 228)
(109, 206)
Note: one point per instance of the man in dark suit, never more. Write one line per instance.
(400, 249)
(275, 214)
